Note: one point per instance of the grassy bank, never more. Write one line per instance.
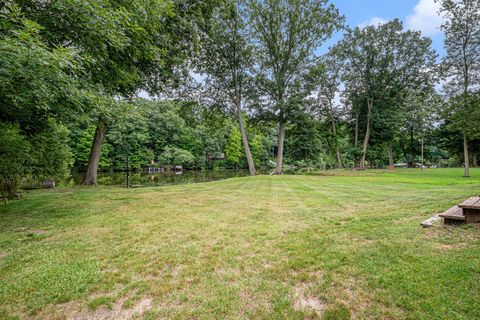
(334, 246)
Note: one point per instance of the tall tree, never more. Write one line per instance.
(288, 32)
(460, 120)
(122, 46)
(227, 60)
(462, 42)
(39, 93)
(382, 60)
(327, 82)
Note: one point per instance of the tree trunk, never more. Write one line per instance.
(391, 165)
(474, 160)
(412, 151)
(421, 164)
(466, 84)
(334, 131)
(339, 158)
(251, 164)
(281, 138)
(357, 116)
(367, 135)
(95, 153)
(466, 173)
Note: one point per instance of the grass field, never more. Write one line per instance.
(342, 245)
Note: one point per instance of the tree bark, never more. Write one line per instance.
(412, 151)
(238, 83)
(466, 84)
(357, 116)
(339, 158)
(334, 131)
(474, 160)
(367, 134)
(281, 139)
(251, 164)
(466, 173)
(421, 164)
(95, 153)
(391, 165)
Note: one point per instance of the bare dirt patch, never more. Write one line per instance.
(72, 310)
(451, 246)
(303, 301)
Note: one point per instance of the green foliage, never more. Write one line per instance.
(173, 156)
(121, 48)
(50, 155)
(68, 63)
(120, 45)
(462, 63)
(45, 155)
(226, 55)
(464, 114)
(260, 149)
(233, 149)
(14, 152)
(381, 65)
(304, 140)
(285, 56)
(462, 44)
(165, 125)
(130, 134)
(147, 128)
(83, 144)
(287, 33)
(35, 80)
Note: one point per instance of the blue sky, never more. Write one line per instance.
(416, 14)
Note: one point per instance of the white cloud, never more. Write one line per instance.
(374, 21)
(425, 18)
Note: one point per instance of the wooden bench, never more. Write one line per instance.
(454, 215)
(471, 209)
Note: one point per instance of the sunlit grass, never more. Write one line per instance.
(334, 245)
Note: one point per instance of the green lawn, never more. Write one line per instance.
(335, 245)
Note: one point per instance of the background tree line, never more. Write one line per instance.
(233, 77)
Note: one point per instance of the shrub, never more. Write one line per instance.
(173, 156)
(14, 150)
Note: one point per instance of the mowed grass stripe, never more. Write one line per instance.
(336, 245)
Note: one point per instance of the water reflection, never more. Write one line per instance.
(140, 179)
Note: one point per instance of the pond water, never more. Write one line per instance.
(140, 179)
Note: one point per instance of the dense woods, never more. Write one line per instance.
(235, 84)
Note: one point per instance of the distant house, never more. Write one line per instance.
(151, 170)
